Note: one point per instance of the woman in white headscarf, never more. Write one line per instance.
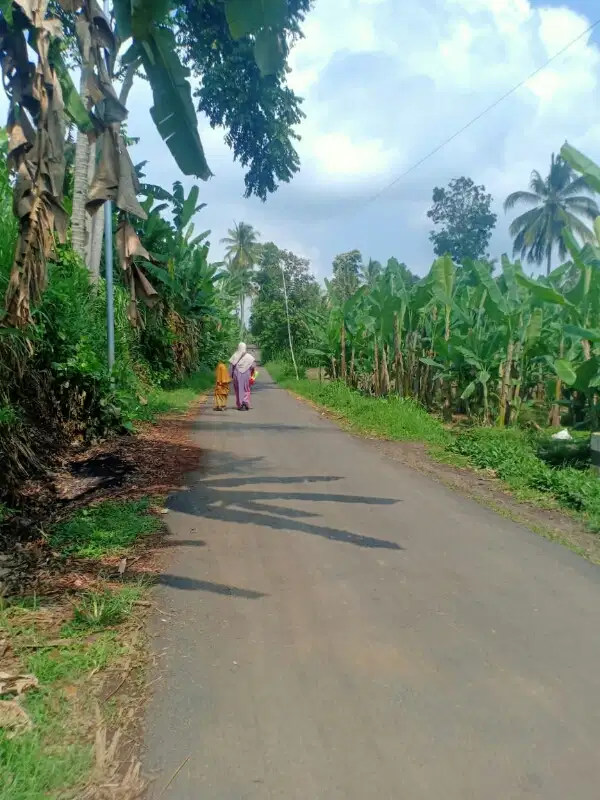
(241, 368)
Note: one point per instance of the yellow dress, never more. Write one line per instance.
(222, 387)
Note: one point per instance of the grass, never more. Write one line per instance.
(388, 418)
(96, 610)
(54, 758)
(63, 647)
(179, 398)
(533, 466)
(107, 529)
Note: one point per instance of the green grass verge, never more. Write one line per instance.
(55, 757)
(389, 418)
(533, 466)
(177, 398)
(107, 529)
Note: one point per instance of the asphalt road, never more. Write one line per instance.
(335, 626)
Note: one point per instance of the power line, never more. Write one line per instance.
(476, 118)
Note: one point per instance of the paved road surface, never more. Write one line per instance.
(342, 628)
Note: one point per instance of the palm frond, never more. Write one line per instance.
(538, 185)
(577, 226)
(584, 206)
(525, 221)
(520, 197)
(578, 185)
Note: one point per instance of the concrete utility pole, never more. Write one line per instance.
(287, 314)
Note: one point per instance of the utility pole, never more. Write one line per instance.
(287, 314)
(108, 262)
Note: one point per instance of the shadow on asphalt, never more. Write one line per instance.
(192, 584)
(222, 498)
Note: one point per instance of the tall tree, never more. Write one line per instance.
(257, 110)
(347, 268)
(305, 299)
(370, 272)
(465, 219)
(560, 201)
(242, 251)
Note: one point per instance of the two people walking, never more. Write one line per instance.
(242, 372)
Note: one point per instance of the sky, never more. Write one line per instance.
(384, 82)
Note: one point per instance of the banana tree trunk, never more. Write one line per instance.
(555, 411)
(79, 216)
(385, 375)
(352, 358)
(94, 244)
(486, 405)
(398, 365)
(343, 348)
(505, 387)
(376, 366)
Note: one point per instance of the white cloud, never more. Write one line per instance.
(384, 83)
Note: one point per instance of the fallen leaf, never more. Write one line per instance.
(16, 684)
(14, 719)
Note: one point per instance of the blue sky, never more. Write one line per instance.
(384, 82)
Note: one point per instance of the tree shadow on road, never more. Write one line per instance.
(194, 584)
(222, 498)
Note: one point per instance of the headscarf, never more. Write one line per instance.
(241, 359)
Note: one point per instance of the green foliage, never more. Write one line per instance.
(177, 399)
(258, 110)
(54, 758)
(514, 457)
(463, 211)
(107, 529)
(347, 269)
(390, 418)
(268, 323)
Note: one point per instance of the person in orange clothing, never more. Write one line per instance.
(221, 387)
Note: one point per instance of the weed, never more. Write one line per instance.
(107, 529)
(102, 609)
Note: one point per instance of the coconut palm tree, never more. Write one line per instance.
(560, 201)
(241, 253)
(370, 272)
